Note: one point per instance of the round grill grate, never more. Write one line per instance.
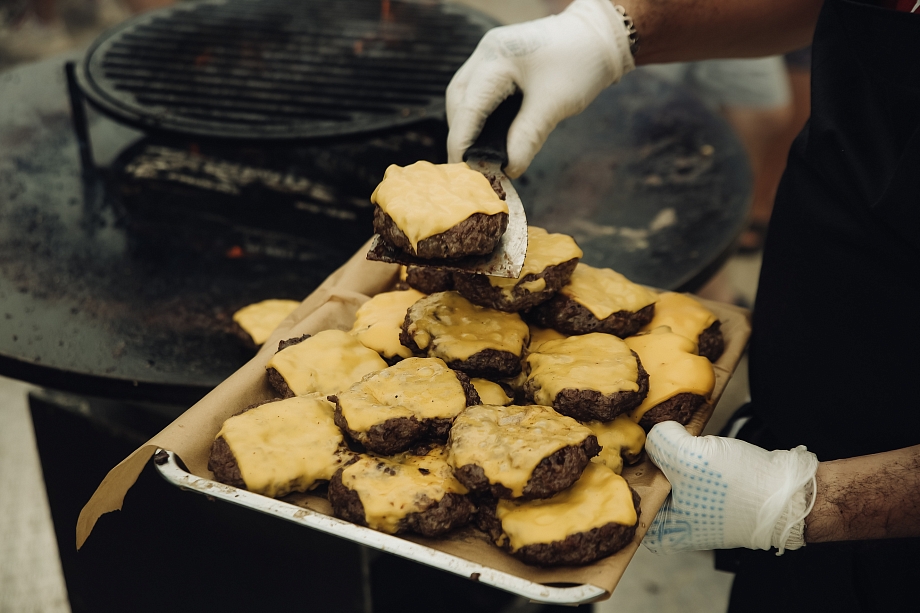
(280, 69)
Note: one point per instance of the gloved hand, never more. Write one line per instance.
(560, 63)
(727, 493)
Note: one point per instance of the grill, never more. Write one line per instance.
(280, 69)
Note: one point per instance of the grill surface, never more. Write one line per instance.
(280, 69)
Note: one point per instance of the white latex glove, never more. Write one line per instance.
(727, 493)
(561, 63)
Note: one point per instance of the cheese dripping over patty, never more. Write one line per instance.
(448, 326)
(619, 439)
(259, 320)
(598, 498)
(605, 292)
(328, 362)
(286, 446)
(508, 442)
(392, 488)
(379, 321)
(543, 250)
(673, 367)
(597, 361)
(681, 313)
(423, 388)
(425, 199)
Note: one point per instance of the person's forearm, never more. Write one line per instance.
(868, 497)
(687, 30)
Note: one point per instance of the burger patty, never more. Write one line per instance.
(679, 408)
(553, 474)
(485, 364)
(576, 549)
(588, 405)
(564, 314)
(274, 377)
(223, 464)
(478, 234)
(429, 280)
(400, 433)
(221, 460)
(452, 511)
(478, 290)
(711, 342)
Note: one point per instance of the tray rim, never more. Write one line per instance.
(169, 468)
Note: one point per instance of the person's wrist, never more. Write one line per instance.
(789, 532)
(632, 35)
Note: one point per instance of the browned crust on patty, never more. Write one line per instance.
(291, 342)
(452, 511)
(477, 289)
(489, 364)
(564, 314)
(485, 364)
(429, 280)
(401, 433)
(223, 464)
(679, 408)
(553, 474)
(711, 342)
(278, 383)
(575, 550)
(589, 405)
(478, 234)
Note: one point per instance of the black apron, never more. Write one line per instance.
(835, 351)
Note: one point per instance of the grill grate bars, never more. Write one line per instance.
(272, 68)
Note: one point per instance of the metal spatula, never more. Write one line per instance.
(489, 156)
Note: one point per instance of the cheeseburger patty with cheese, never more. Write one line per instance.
(437, 211)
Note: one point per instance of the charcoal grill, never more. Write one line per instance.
(279, 69)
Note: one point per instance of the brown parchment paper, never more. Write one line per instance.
(333, 305)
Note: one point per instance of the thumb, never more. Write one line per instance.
(665, 440)
(528, 133)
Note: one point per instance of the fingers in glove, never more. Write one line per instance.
(469, 109)
(527, 134)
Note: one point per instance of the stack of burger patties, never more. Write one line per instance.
(458, 397)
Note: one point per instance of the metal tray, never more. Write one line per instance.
(168, 465)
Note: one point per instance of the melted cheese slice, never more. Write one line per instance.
(598, 498)
(596, 361)
(390, 489)
(491, 393)
(543, 250)
(259, 320)
(421, 387)
(681, 313)
(424, 199)
(328, 362)
(539, 335)
(673, 368)
(508, 442)
(379, 321)
(618, 438)
(286, 446)
(605, 292)
(448, 326)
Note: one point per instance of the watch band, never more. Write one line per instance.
(631, 33)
